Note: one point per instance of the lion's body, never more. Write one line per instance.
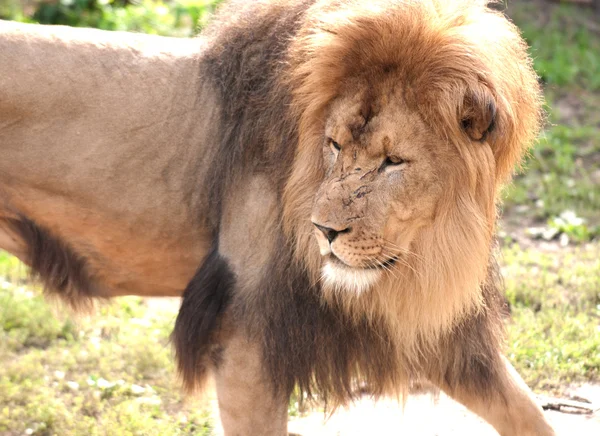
(389, 124)
(103, 172)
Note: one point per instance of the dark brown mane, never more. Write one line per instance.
(205, 300)
(62, 271)
(314, 346)
(256, 127)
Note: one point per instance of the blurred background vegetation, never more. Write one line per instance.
(171, 18)
(113, 373)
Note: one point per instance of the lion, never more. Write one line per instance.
(318, 180)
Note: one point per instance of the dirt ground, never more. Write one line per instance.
(426, 415)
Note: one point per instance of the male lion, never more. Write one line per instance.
(332, 167)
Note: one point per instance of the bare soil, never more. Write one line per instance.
(430, 415)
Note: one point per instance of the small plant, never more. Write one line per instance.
(574, 227)
(27, 321)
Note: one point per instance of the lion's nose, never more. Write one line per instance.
(330, 233)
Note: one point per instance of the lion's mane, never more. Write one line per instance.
(276, 66)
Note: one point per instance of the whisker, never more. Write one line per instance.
(390, 245)
(373, 262)
(403, 262)
(398, 250)
(393, 244)
(389, 270)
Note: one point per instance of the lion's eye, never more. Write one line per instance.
(392, 161)
(334, 146)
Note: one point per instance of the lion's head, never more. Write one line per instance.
(411, 118)
(385, 175)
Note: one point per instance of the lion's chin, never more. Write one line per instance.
(346, 279)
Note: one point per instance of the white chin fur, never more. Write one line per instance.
(341, 278)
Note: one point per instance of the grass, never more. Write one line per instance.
(113, 373)
(563, 40)
(553, 285)
(110, 374)
(562, 172)
(554, 336)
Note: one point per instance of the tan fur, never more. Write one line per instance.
(246, 404)
(520, 416)
(138, 154)
(119, 203)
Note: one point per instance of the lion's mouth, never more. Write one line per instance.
(340, 276)
(385, 264)
(332, 258)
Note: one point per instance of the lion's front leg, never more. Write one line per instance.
(509, 405)
(247, 404)
(470, 368)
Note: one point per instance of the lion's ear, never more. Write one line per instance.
(478, 116)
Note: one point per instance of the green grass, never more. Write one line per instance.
(554, 330)
(109, 374)
(562, 172)
(564, 46)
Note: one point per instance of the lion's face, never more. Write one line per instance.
(385, 173)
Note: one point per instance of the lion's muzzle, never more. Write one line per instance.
(326, 236)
